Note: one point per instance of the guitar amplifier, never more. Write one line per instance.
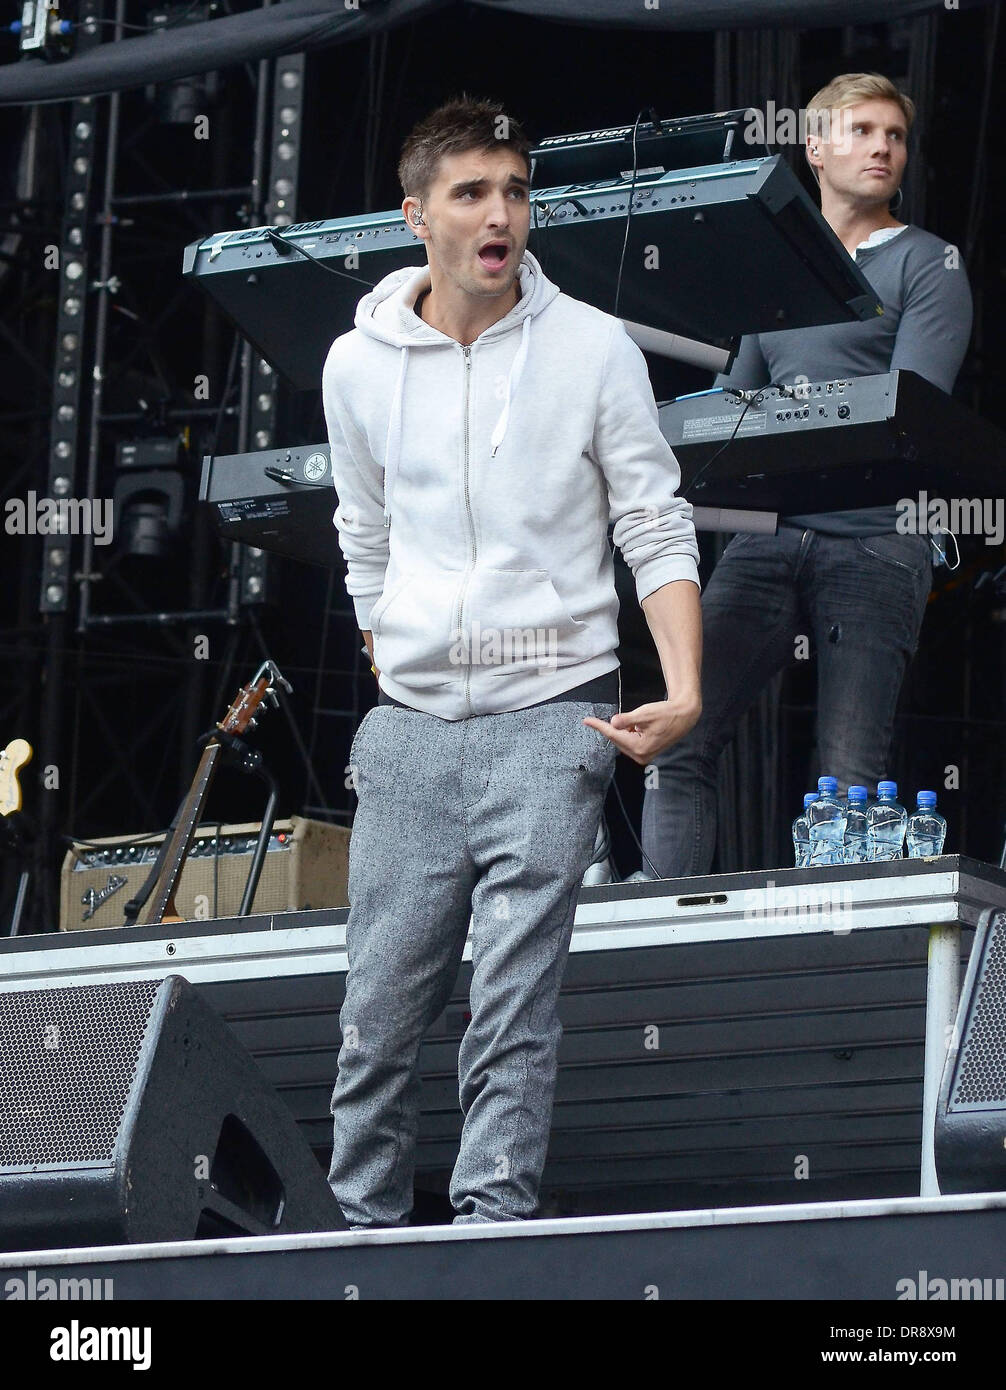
(306, 865)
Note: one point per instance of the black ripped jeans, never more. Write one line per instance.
(859, 602)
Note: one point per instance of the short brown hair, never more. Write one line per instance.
(849, 89)
(461, 124)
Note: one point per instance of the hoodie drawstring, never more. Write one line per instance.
(393, 448)
(513, 381)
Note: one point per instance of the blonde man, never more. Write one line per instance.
(846, 578)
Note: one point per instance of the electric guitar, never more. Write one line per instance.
(160, 906)
(12, 760)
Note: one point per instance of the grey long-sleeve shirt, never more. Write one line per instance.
(925, 328)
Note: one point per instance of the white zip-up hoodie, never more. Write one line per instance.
(475, 486)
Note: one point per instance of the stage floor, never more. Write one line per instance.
(903, 1249)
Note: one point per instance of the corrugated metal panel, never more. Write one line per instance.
(718, 1044)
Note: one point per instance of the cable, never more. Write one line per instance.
(980, 146)
(228, 388)
(543, 227)
(550, 212)
(285, 247)
(628, 215)
(754, 397)
(632, 830)
(727, 442)
(99, 844)
(941, 550)
(154, 28)
(283, 475)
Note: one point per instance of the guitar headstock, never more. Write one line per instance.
(12, 760)
(262, 686)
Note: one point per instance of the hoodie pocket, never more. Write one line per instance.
(517, 619)
(384, 603)
(411, 624)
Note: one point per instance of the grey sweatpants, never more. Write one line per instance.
(491, 818)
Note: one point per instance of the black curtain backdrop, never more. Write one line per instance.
(296, 25)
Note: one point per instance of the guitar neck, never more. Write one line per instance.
(162, 900)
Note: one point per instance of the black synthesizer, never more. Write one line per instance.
(861, 442)
(827, 445)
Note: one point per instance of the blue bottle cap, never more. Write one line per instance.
(858, 793)
(808, 797)
(827, 785)
(927, 800)
(887, 788)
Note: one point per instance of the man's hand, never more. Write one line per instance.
(674, 616)
(368, 638)
(644, 732)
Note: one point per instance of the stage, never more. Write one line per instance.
(742, 1107)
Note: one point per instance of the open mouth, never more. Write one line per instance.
(494, 254)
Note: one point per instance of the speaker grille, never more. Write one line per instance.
(981, 1067)
(67, 1061)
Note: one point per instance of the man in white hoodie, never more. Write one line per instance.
(484, 429)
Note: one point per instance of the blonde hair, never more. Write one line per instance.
(848, 89)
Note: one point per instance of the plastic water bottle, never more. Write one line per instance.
(926, 828)
(856, 842)
(801, 834)
(826, 819)
(886, 821)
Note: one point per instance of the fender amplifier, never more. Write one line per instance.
(306, 865)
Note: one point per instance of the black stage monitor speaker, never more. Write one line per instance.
(130, 1112)
(971, 1115)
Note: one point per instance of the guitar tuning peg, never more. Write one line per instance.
(253, 723)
